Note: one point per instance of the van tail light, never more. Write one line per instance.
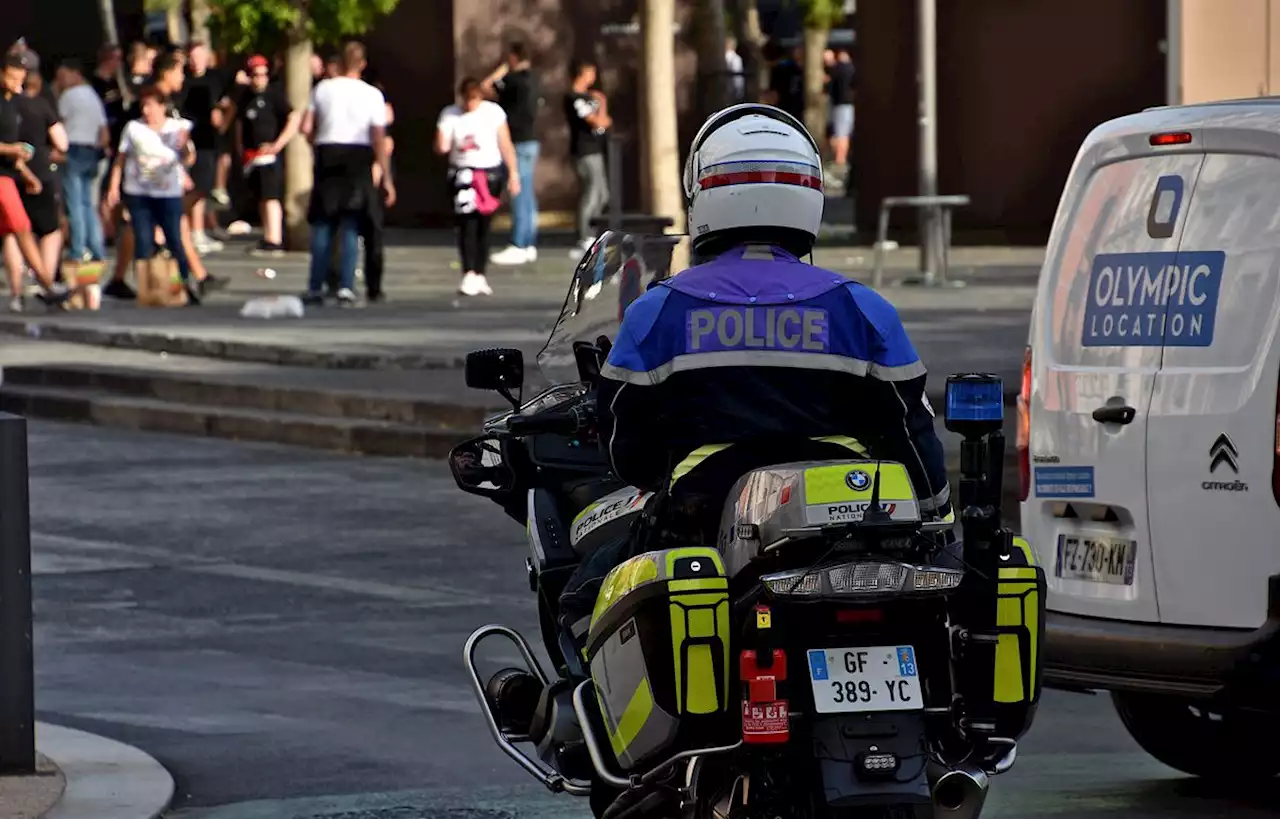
(1275, 461)
(1024, 429)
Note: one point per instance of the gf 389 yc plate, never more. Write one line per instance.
(866, 678)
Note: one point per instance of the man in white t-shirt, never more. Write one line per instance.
(347, 122)
(733, 64)
(482, 159)
(85, 118)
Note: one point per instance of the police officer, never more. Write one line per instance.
(752, 357)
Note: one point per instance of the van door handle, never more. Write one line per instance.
(1115, 415)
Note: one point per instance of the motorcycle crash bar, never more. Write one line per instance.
(553, 781)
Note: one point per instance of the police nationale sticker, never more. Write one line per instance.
(1064, 481)
(1153, 299)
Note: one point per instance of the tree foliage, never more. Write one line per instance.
(822, 14)
(264, 26)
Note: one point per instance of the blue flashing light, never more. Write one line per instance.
(975, 398)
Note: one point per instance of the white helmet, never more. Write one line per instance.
(754, 167)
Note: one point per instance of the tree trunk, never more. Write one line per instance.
(173, 22)
(746, 28)
(107, 15)
(662, 149)
(815, 93)
(200, 21)
(298, 161)
(714, 82)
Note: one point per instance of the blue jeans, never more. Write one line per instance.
(146, 212)
(322, 238)
(524, 209)
(80, 177)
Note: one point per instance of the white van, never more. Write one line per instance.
(1148, 426)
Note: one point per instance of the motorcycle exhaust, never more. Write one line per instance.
(960, 793)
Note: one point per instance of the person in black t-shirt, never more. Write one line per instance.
(786, 82)
(15, 177)
(106, 82)
(265, 125)
(587, 110)
(205, 102)
(41, 128)
(517, 90)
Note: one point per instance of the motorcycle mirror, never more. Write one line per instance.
(500, 369)
(478, 467)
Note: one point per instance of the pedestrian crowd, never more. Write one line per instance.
(139, 153)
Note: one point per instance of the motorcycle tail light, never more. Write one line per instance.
(1275, 463)
(1024, 429)
(862, 578)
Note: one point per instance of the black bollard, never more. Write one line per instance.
(17, 683)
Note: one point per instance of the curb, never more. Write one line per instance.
(332, 420)
(184, 389)
(105, 779)
(150, 415)
(226, 350)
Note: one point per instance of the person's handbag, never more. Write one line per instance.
(160, 282)
(83, 279)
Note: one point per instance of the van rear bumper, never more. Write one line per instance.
(1091, 653)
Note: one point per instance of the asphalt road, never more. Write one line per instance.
(282, 629)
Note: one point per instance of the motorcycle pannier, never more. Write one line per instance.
(1020, 615)
(659, 653)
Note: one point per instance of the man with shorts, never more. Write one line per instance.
(15, 176)
(840, 89)
(205, 102)
(265, 125)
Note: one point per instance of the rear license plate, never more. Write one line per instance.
(1097, 559)
(867, 678)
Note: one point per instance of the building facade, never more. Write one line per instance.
(1020, 84)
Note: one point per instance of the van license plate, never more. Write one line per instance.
(1097, 559)
(867, 678)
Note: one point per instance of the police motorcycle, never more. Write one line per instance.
(826, 657)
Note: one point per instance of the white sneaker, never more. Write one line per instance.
(475, 284)
(512, 255)
(204, 244)
(531, 254)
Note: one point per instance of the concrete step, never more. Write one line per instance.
(250, 395)
(106, 408)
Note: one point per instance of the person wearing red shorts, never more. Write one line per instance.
(14, 172)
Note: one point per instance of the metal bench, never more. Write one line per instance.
(642, 223)
(943, 203)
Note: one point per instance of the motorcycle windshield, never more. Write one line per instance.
(616, 271)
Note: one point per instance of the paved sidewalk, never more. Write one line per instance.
(85, 776)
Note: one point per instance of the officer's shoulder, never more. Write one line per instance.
(878, 310)
(642, 314)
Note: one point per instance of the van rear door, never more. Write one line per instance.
(1096, 348)
(1215, 524)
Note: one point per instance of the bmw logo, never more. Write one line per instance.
(857, 480)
